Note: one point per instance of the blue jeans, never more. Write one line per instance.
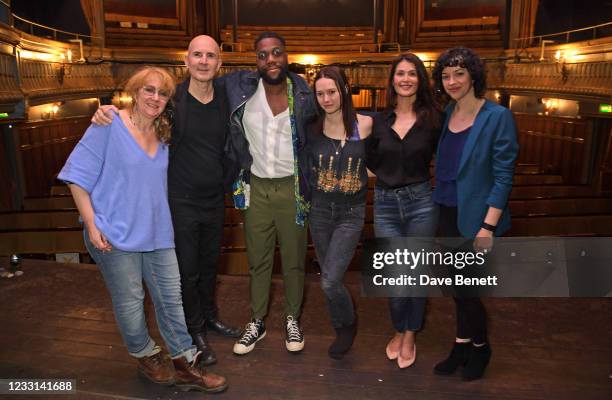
(124, 273)
(335, 231)
(406, 211)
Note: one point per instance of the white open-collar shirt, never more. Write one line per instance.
(269, 137)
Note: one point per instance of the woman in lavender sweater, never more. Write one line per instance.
(117, 176)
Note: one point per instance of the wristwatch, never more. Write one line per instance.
(488, 227)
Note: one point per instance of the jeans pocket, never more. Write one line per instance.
(319, 215)
(91, 249)
(422, 192)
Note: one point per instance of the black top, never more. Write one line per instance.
(338, 172)
(196, 162)
(400, 162)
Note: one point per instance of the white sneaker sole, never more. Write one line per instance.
(241, 349)
(294, 347)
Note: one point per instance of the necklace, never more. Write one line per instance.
(143, 130)
(132, 120)
(336, 148)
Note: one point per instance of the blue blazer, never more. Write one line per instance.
(486, 168)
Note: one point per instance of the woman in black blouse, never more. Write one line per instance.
(400, 150)
(337, 155)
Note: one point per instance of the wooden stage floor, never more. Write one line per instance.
(56, 321)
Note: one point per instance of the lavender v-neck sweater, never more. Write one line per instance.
(128, 188)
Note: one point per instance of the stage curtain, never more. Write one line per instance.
(212, 13)
(522, 22)
(412, 11)
(391, 21)
(94, 14)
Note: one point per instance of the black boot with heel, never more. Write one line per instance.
(459, 356)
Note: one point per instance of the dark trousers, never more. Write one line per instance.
(471, 314)
(198, 232)
(335, 231)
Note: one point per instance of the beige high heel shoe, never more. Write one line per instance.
(392, 355)
(406, 362)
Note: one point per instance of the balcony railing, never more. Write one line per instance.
(35, 28)
(565, 36)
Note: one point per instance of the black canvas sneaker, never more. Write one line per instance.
(253, 332)
(295, 337)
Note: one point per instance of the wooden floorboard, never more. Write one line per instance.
(56, 321)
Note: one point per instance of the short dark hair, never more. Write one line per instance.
(267, 35)
(349, 115)
(425, 106)
(464, 58)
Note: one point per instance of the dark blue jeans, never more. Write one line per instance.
(335, 231)
(406, 211)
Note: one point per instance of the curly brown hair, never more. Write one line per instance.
(464, 58)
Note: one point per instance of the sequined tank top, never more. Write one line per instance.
(339, 172)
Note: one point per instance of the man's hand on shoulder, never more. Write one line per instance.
(104, 115)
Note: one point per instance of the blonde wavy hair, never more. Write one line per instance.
(163, 122)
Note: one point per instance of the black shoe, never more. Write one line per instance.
(477, 363)
(459, 356)
(215, 325)
(294, 341)
(208, 355)
(253, 333)
(344, 340)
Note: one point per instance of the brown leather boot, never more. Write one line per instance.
(157, 368)
(190, 376)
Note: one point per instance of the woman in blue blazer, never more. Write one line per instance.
(474, 169)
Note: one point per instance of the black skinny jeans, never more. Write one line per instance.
(471, 314)
(335, 230)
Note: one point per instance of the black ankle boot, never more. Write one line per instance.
(459, 356)
(477, 363)
(344, 340)
(208, 354)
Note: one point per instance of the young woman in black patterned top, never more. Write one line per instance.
(340, 180)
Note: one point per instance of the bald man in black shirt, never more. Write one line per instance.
(196, 187)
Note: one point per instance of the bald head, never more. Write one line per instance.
(202, 59)
(202, 41)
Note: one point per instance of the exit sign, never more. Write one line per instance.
(3, 115)
(605, 108)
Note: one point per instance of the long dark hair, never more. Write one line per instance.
(349, 115)
(426, 108)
